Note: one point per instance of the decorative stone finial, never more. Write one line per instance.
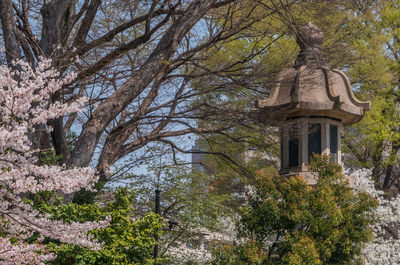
(310, 38)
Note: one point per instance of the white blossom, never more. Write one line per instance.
(23, 105)
(385, 248)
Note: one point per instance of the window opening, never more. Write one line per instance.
(314, 139)
(293, 147)
(333, 142)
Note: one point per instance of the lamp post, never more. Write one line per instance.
(157, 211)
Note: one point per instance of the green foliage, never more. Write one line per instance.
(379, 128)
(295, 223)
(248, 253)
(375, 141)
(49, 157)
(88, 196)
(126, 240)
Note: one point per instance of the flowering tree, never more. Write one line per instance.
(182, 253)
(384, 249)
(25, 103)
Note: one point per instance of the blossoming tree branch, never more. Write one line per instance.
(25, 95)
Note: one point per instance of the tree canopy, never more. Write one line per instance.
(134, 61)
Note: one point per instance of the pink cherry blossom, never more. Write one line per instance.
(23, 105)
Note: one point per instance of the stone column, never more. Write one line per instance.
(325, 138)
(303, 148)
(339, 142)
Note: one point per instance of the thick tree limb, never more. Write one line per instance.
(9, 31)
(155, 64)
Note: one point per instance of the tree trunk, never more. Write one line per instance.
(389, 170)
(9, 29)
(119, 100)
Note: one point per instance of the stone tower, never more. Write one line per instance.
(313, 102)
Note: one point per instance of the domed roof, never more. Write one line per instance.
(310, 88)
